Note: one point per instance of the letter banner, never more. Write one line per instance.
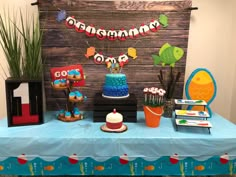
(121, 60)
(112, 34)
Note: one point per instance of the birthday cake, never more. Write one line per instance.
(115, 86)
(114, 122)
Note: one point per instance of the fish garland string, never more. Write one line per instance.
(112, 63)
(112, 34)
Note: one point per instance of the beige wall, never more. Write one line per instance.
(211, 47)
(12, 5)
(233, 103)
(211, 42)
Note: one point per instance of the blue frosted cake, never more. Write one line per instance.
(115, 86)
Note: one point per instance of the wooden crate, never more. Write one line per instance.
(24, 100)
(126, 106)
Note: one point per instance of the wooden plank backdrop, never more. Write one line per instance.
(63, 46)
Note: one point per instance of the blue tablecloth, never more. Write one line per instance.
(81, 148)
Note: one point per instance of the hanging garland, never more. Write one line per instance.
(110, 61)
(112, 34)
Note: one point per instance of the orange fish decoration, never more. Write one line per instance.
(201, 85)
(49, 168)
(90, 52)
(1, 167)
(99, 168)
(199, 168)
(149, 167)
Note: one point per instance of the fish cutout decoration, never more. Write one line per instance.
(149, 168)
(99, 168)
(163, 19)
(1, 168)
(90, 52)
(132, 52)
(168, 55)
(201, 85)
(49, 168)
(61, 15)
(199, 168)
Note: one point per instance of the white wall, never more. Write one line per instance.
(12, 6)
(233, 103)
(211, 46)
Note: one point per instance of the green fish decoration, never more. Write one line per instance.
(168, 55)
(163, 19)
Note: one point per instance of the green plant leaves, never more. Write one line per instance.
(11, 45)
(22, 46)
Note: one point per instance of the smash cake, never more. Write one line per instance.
(115, 86)
(114, 123)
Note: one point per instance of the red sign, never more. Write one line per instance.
(62, 72)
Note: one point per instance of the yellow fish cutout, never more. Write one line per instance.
(132, 52)
(90, 52)
(201, 85)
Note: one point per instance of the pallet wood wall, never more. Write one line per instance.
(63, 46)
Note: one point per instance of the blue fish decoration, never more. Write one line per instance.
(61, 15)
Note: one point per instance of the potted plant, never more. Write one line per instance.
(168, 55)
(22, 48)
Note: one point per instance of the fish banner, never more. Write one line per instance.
(110, 61)
(112, 34)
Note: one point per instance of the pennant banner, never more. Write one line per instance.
(112, 34)
(111, 61)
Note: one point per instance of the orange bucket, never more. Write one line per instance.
(153, 115)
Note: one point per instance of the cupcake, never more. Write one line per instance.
(71, 75)
(62, 113)
(57, 83)
(63, 82)
(76, 114)
(77, 75)
(79, 96)
(67, 115)
(72, 96)
(75, 109)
